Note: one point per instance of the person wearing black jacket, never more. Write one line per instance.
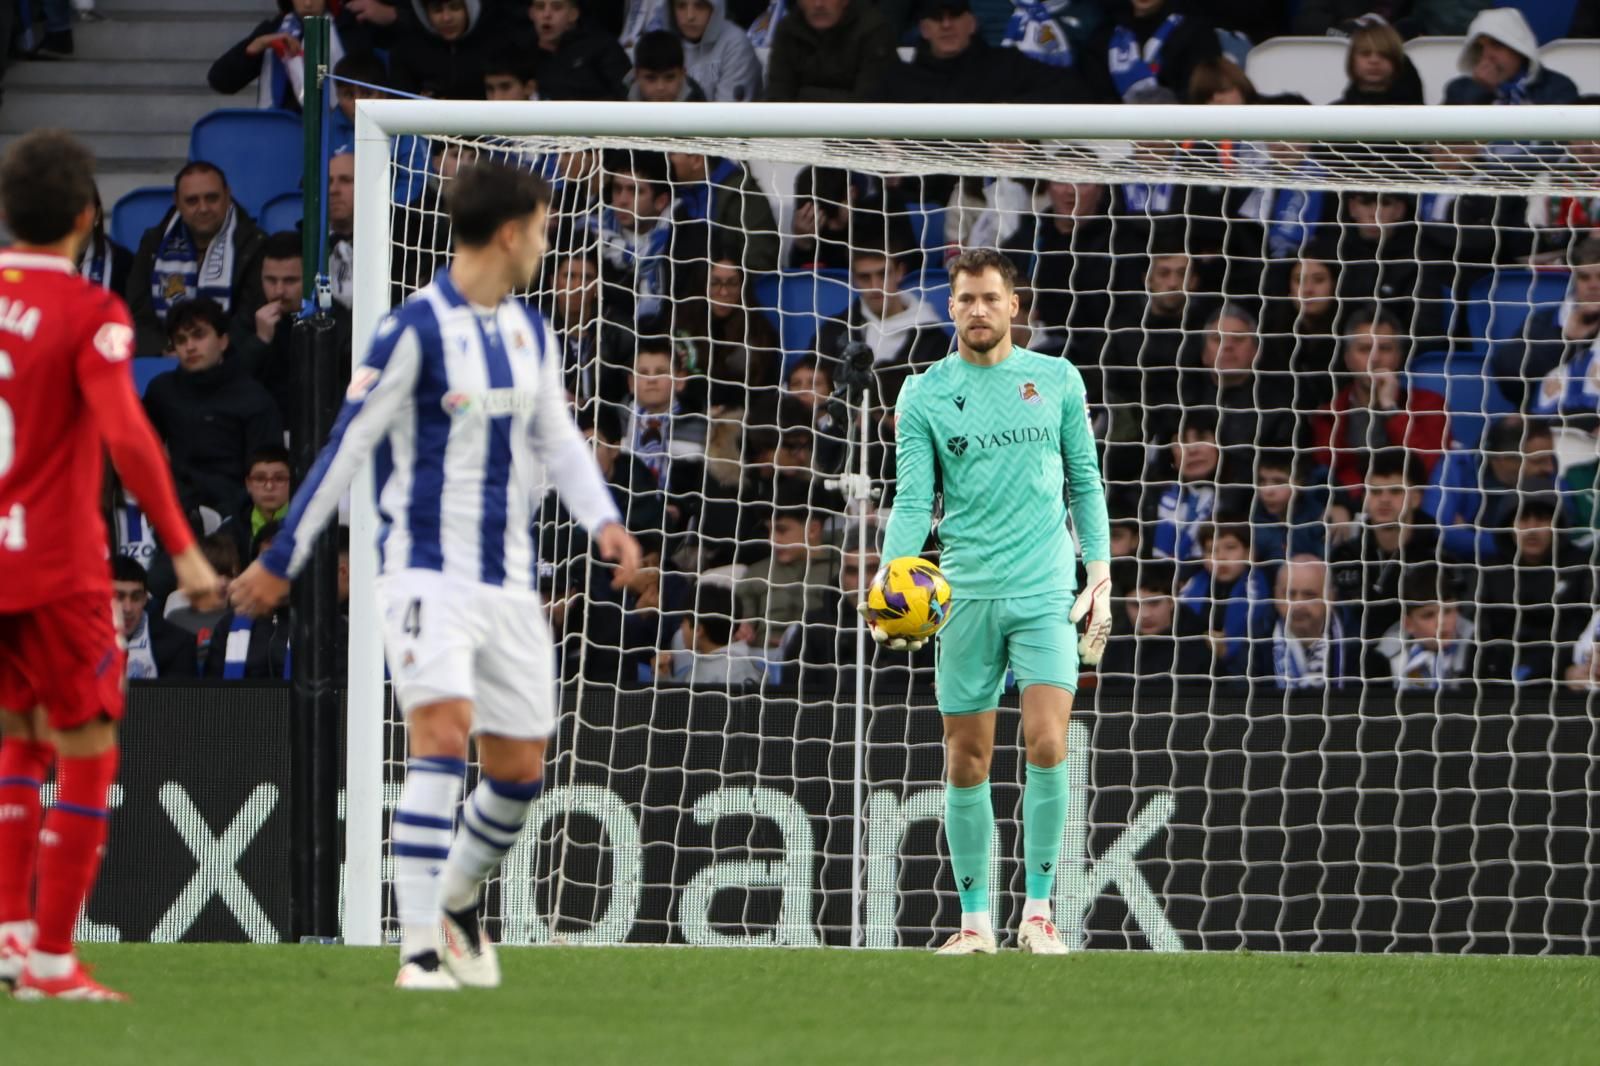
(281, 35)
(443, 55)
(155, 648)
(1146, 44)
(953, 65)
(1065, 253)
(209, 413)
(575, 60)
(1153, 643)
(1528, 610)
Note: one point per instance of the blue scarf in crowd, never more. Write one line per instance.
(95, 265)
(694, 203)
(283, 77)
(1317, 665)
(236, 652)
(179, 273)
(1035, 32)
(1134, 69)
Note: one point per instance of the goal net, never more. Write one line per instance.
(1341, 362)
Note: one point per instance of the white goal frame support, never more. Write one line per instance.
(379, 120)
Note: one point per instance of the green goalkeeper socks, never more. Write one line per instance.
(968, 827)
(1044, 816)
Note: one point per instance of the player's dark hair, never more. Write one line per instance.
(285, 244)
(714, 611)
(511, 60)
(975, 261)
(46, 181)
(485, 195)
(658, 50)
(198, 166)
(127, 568)
(268, 453)
(203, 309)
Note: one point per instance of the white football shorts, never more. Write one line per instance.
(446, 639)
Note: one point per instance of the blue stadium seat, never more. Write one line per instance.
(933, 286)
(282, 212)
(927, 225)
(147, 367)
(794, 300)
(137, 211)
(259, 151)
(1548, 19)
(1497, 305)
(1458, 376)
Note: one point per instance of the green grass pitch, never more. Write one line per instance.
(242, 1004)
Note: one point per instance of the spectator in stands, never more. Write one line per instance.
(1304, 644)
(659, 429)
(441, 54)
(1286, 516)
(1553, 336)
(715, 658)
(636, 229)
(267, 488)
(245, 648)
(953, 65)
(575, 60)
(1571, 391)
(1377, 248)
(717, 54)
(704, 495)
(793, 581)
(819, 231)
(1221, 81)
(155, 648)
(1378, 68)
(1463, 236)
(208, 412)
(1153, 333)
(1153, 642)
(1500, 65)
(1299, 332)
(1146, 45)
(1250, 401)
(733, 345)
(904, 332)
(223, 555)
(1125, 538)
(205, 247)
(342, 225)
(721, 208)
(508, 74)
(1478, 494)
(272, 55)
(1182, 497)
(103, 261)
(1431, 648)
(1065, 251)
(1394, 533)
(596, 351)
(261, 339)
(1378, 408)
(374, 76)
(810, 381)
(1226, 593)
(829, 51)
(658, 71)
(1527, 610)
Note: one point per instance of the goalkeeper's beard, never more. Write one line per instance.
(996, 337)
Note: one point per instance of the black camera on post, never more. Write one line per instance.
(852, 375)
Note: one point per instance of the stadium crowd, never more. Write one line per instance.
(1294, 503)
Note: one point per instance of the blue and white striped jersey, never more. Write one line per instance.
(466, 412)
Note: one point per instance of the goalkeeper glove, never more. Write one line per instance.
(892, 643)
(1094, 601)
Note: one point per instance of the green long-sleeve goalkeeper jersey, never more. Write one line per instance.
(999, 444)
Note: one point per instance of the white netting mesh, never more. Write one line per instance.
(1346, 407)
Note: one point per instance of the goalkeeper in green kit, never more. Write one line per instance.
(1000, 430)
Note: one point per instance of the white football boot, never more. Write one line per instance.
(426, 974)
(968, 942)
(468, 951)
(1037, 936)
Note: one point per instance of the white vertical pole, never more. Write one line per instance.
(859, 773)
(363, 824)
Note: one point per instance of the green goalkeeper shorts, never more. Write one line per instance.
(981, 638)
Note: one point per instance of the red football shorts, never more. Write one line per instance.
(65, 655)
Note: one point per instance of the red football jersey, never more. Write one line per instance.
(66, 389)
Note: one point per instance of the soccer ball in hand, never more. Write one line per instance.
(908, 598)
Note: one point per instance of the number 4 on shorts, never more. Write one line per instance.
(413, 620)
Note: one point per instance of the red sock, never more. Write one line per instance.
(24, 764)
(69, 856)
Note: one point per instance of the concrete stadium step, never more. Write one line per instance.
(113, 149)
(86, 112)
(159, 35)
(120, 76)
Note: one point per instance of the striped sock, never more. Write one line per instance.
(491, 820)
(420, 842)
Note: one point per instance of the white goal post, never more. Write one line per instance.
(1087, 143)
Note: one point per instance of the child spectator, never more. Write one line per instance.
(442, 56)
(1378, 249)
(1377, 409)
(829, 52)
(1226, 593)
(717, 54)
(220, 551)
(575, 60)
(1153, 642)
(1286, 518)
(1528, 610)
(1378, 68)
(155, 647)
(1477, 494)
(1125, 538)
(272, 56)
(267, 484)
(1431, 647)
(658, 71)
(508, 74)
(1177, 507)
(659, 429)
